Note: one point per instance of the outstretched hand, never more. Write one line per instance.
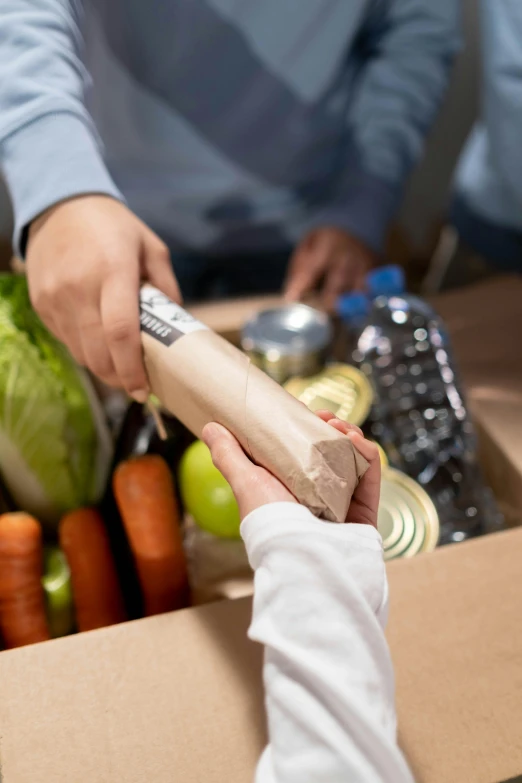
(254, 486)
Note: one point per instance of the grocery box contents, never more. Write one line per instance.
(55, 447)
(288, 341)
(97, 594)
(419, 411)
(105, 536)
(339, 388)
(199, 377)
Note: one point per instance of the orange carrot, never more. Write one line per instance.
(96, 590)
(23, 618)
(145, 494)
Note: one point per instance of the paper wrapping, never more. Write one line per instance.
(201, 378)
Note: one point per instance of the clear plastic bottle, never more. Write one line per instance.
(419, 413)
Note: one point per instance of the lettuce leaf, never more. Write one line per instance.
(55, 447)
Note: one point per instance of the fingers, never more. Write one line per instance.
(345, 427)
(339, 278)
(227, 455)
(158, 269)
(367, 492)
(325, 415)
(95, 349)
(365, 447)
(305, 270)
(365, 501)
(56, 313)
(121, 330)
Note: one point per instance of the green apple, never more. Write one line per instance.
(56, 583)
(206, 495)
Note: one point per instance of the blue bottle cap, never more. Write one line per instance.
(352, 306)
(386, 281)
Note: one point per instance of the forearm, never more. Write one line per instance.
(407, 49)
(49, 150)
(319, 610)
(502, 88)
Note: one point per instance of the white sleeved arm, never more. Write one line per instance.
(320, 606)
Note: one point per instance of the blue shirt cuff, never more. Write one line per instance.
(49, 160)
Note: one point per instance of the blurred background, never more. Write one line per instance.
(415, 234)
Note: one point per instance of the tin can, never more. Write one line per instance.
(407, 521)
(288, 341)
(339, 388)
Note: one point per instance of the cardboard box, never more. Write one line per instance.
(179, 697)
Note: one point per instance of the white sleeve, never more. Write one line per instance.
(320, 606)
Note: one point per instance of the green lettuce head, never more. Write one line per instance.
(55, 447)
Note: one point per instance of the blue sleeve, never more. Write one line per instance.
(406, 49)
(49, 150)
(502, 88)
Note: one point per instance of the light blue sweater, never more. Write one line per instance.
(227, 125)
(489, 175)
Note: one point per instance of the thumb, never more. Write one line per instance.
(227, 455)
(158, 269)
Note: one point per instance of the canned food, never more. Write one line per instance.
(339, 388)
(288, 341)
(407, 521)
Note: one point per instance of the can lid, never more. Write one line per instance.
(293, 329)
(407, 519)
(340, 388)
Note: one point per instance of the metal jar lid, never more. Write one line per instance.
(407, 521)
(339, 388)
(287, 341)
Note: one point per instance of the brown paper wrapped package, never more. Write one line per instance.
(201, 378)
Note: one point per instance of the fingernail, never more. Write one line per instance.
(140, 396)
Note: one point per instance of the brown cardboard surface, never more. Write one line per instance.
(202, 378)
(171, 699)
(456, 636)
(178, 697)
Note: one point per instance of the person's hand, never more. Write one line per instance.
(85, 260)
(254, 487)
(365, 500)
(332, 256)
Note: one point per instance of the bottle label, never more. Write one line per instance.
(163, 319)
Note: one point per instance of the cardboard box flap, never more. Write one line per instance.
(455, 632)
(167, 699)
(179, 697)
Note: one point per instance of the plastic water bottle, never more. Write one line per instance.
(419, 414)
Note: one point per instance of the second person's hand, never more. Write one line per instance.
(85, 260)
(329, 257)
(254, 486)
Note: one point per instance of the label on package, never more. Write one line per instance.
(163, 319)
